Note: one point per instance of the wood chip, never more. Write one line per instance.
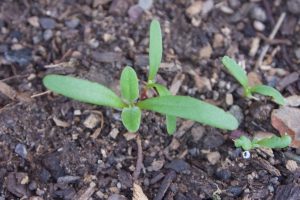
(12, 94)
(85, 194)
(60, 123)
(138, 193)
(176, 83)
(267, 166)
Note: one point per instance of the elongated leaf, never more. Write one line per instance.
(235, 70)
(269, 91)
(131, 118)
(155, 49)
(129, 84)
(170, 120)
(243, 142)
(82, 90)
(191, 108)
(275, 142)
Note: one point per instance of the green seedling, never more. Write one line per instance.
(130, 102)
(240, 75)
(272, 142)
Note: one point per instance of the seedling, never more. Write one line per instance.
(130, 103)
(271, 142)
(240, 75)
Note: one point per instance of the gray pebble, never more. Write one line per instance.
(48, 34)
(297, 53)
(72, 23)
(21, 150)
(178, 165)
(257, 13)
(234, 3)
(294, 6)
(47, 23)
(237, 112)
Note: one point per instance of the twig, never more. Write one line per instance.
(41, 94)
(139, 162)
(271, 37)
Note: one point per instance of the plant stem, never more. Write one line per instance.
(139, 162)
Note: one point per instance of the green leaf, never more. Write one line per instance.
(243, 142)
(275, 142)
(269, 91)
(155, 49)
(170, 120)
(235, 70)
(82, 90)
(129, 84)
(131, 118)
(190, 108)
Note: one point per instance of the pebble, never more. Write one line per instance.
(93, 43)
(286, 120)
(213, 140)
(156, 165)
(218, 40)
(213, 157)
(72, 23)
(67, 179)
(297, 53)
(52, 163)
(207, 7)
(119, 7)
(258, 13)
(259, 26)
(47, 23)
(237, 112)
(32, 185)
(294, 6)
(235, 191)
(223, 174)
(34, 21)
(106, 57)
(135, 12)
(260, 111)
(234, 3)
(291, 165)
(227, 10)
(145, 4)
(21, 56)
(197, 133)
(195, 8)
(21, 150)
(91, 121)
(97, 3)
(48, 34)
(114, 133)
(205, 52)
(178, 165)
(293, 101)
(116, 197)
(16, 185)
(229, 99)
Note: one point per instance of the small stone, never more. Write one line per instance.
(194, 9)
(14, 183)
(114, 133)
(97, 3)
(117, 197)
(21, 56)
(156, 165)
(297, 53)
(175, 144)
(237, 112)
(93, 43)
(47, 23)
(34, 21)
(197, 133)
(145, 4)
(205, 52)
(223, 174)
(235, 191)
(107, 57)
(67, 179)
(135, 12)
(294, 6)
(234, 3)
(260, 111)
(91, 121)
(21, 150)
(207, 7)
(48, 34)
(229, 99)
(213, 139)
(218, 40)
(259, 26)
(119, 7)
(286, 120)
(178, 165)
(52, 163)
(293, 101)
(225, 9)
(258, 13)
(32, 185)
(213, 157)
(291, 165)
(72, 23)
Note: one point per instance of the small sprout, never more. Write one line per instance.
(130, 103)
(271, 142)
(246, 154)
(240, 75)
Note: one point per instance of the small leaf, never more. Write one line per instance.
(190, 108)
(170, 120)
(131, 118)
(275, 142)
(243, 142)
(155, 49)
(269, 91)
(129, 84)
(82, 90)
(235, 70)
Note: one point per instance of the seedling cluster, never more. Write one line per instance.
(132, 102)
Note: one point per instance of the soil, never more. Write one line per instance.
(48, 148)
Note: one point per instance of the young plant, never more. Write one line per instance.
(240, 75)
(272, 142)
(130, 103)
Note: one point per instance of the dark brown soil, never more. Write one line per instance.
(47, 151)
